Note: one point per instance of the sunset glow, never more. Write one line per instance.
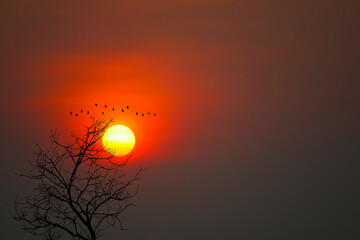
(233, 119)
(119, 140)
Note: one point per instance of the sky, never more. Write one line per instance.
(258, 109)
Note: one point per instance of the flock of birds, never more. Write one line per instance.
(106, 107)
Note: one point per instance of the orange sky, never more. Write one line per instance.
(117, 81)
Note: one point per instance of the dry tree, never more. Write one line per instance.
(80, 189)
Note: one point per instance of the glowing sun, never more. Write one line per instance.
(118, 140)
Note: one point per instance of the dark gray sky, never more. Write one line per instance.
(259, 109)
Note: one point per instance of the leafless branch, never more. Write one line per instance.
(81, 190)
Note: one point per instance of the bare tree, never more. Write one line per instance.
(80, 189)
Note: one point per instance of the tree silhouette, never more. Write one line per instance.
(80, 191)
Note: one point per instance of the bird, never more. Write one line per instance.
(149, 113)
(105, 106)
(81, 111)
(102, 113)
(95, 104)
(127, 107)
(87, 112)
(142, 114)
(70, 112)
(76, 114)
(154, 114)
(122, 110)
(113, 109)
(137, 113)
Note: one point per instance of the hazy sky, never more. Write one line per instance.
(257, 135)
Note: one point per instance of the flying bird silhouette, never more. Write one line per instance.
(70, 112)
(105, 106)
(87, 112)
(95, 104)
(137, 113)
(142, 114)
(149, 113)
(127, 107)
(113, 109)
(122, 110)
(102, 113)
(76, 114)
(154, 114)
(81, 111)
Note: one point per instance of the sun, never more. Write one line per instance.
(118, 140)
